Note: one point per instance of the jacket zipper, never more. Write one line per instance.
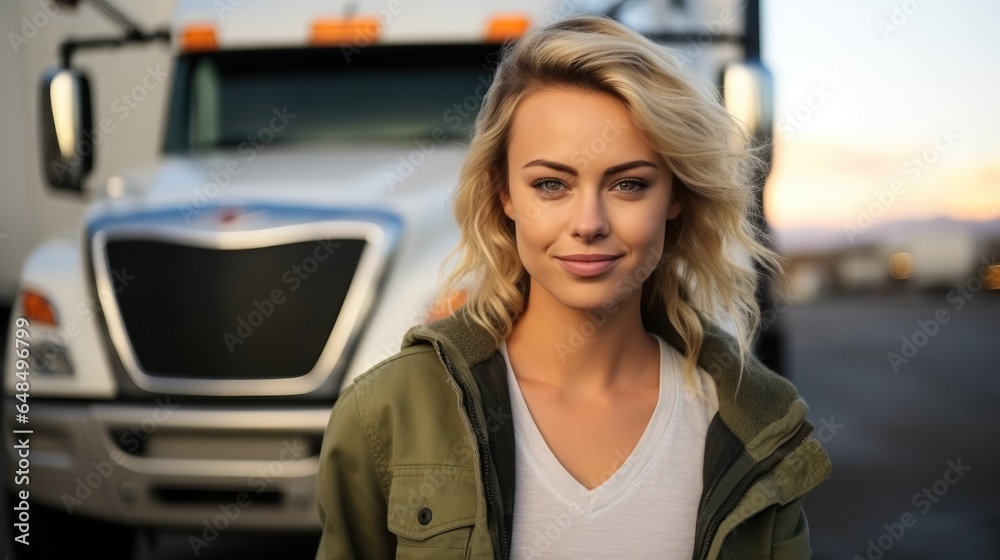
(744, 484)
(498, 534)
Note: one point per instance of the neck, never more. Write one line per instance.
(586, 352)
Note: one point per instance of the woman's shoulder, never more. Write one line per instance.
(413, 365)
(757, 404)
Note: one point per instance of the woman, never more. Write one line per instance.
(583, 401)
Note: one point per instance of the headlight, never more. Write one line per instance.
(51, 358)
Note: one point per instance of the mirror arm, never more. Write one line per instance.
(112, 11)
(68, 47)
(133, 34)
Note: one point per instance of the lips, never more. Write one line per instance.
(588, 257)
(587, 265)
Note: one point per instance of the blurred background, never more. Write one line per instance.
(883, 198)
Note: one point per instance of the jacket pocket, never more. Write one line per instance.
(432, 511)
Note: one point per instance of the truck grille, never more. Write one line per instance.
(210, 313)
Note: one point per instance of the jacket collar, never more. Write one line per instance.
(760, 407)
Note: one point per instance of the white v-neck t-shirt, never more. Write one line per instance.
(646, 509)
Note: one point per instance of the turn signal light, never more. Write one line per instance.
(37, 309)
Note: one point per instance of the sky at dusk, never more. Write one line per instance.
(876, 96)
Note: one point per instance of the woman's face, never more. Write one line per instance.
(589, 197)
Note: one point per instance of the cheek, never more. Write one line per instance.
(533, 222)
(533, 232)
(535, 237)
(647, 246)
(651, 226)
(526, 209)
(646, 227)
(649, 239)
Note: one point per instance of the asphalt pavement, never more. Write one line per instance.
(914, 444)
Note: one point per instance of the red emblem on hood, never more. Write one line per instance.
(229, 214)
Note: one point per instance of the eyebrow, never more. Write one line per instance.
(609, 171)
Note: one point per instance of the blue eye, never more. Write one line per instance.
(545, 184)
(634, 183)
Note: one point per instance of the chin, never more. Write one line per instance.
(586, 296)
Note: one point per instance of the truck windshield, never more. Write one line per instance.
(376, 94)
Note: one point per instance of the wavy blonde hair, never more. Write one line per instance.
(710, 273)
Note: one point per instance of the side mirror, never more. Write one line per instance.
(66, 128)
(748, 91)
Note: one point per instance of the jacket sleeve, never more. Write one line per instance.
(790, 540)
(352, 504)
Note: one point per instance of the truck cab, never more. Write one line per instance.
(187, 344)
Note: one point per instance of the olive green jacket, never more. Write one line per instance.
(418, 458)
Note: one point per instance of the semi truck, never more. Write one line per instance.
(176, 359)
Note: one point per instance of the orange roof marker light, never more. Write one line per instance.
(360, 31)
(37, 309)
(508, 26)
(199, 38)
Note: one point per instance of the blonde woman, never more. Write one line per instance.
(583, 401)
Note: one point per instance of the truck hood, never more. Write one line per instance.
(401, 177)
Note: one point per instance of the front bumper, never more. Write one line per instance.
(173, 465)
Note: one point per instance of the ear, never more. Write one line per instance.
(674, 208)
(508, 208)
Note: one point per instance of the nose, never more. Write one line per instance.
(590, 217)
